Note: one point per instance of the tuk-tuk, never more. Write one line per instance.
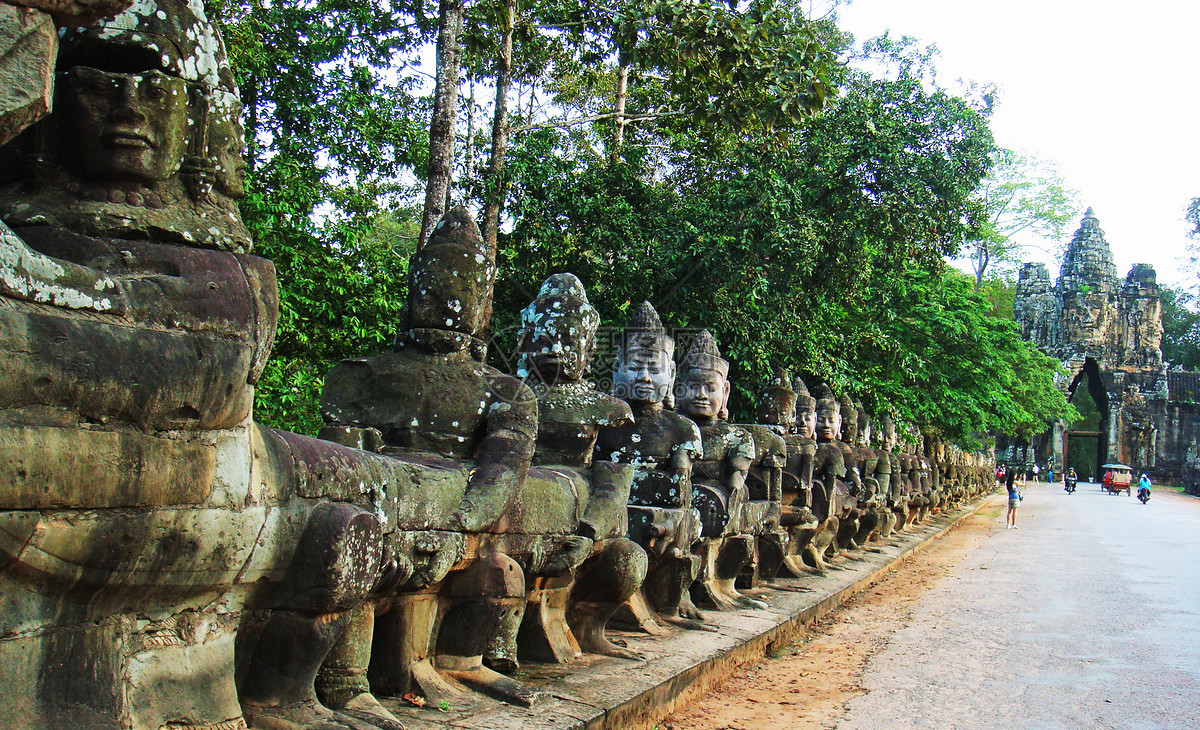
(1117, 478)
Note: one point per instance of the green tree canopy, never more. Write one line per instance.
(1021, 195)
(1181, 328)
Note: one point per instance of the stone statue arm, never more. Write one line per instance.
(34, 277)
(503, 457)
(605, 515)
(688, 448)
(740, 459)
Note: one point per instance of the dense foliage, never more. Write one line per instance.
(1181, 329)
(681, 153)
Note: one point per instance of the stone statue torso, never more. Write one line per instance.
(570, 417)
(649, 444)
(419, 398)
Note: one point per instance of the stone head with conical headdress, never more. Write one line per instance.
(887, 432)
(864, 426)
(450, 282)
(777, 402)
(558, 332)
(704, 377)
(829, 415)
(644, 371)
(849, 419)
(806, 410)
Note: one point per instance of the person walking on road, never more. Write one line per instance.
(1036, 471)
(1014, 497)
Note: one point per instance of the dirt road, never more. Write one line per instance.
(1088, 616)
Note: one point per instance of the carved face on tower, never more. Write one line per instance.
(644, 372)
(806, 410)
(451, 279)
(829, 416)
(705, 380)
(777, 403)
(124, 126)
(558, 332)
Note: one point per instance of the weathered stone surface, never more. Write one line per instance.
(28, 46)
(146, 519)
(75, 13)
(49, 467)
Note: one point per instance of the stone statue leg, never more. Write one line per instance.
(735, 556)
(721, 560)
(604, 582)
(334, 567)
(868, 527)
(544, 633)
(774, 548)
(847, 530)
(887, 523)
(814, 554)
(800, 542)
(479, 602)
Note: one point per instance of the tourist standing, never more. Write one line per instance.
(1014, 497)
(1036, 471)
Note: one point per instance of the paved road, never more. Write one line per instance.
(1087, 616)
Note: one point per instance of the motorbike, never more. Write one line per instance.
(1144, 494)
(1069, 485)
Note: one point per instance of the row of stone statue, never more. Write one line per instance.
(166, 562)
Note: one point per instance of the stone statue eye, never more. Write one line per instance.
(154, 90)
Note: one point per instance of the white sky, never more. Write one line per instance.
(1108, 91)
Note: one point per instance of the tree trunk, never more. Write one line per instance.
(982, 259)
(622, 95)
(469, 154)
(495, 182)
(445, 110)
(250, 104)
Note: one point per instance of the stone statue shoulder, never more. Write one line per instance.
(655, 436)
(770, 446)
(439, 402)
(580, 403)
(829, 455)
(798, 445)
(724, 440)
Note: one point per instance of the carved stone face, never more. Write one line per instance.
(828, 422)
(849, 427)
(705, 393)
(125, 127)
(777, 409)
(644, 375)
(806, 422)
(445, 299)
(227, 144)
(558, 346)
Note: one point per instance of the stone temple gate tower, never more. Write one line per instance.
(1107, 331)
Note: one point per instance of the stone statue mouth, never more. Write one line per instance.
(129, 139)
